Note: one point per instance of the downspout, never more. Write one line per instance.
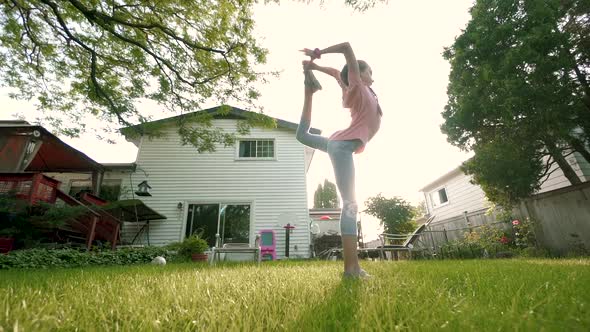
(97, 177)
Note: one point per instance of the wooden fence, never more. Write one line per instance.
(561, 218)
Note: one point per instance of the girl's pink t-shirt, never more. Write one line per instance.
(364, 111)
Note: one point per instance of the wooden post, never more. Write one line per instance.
(91, 233)
(115, 236)
(467, 221)
(432, 239)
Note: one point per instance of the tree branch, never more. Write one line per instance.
(579, 147)
(166, 62)
(93, 15)
(25, 16)
(93, 64)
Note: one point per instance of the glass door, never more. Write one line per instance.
(203, 218)
(234, 223)
(231, 221)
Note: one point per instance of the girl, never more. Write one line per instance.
(355, 79)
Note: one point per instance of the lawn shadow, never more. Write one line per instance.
(336, 312)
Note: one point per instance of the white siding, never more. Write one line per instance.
(584, 166)
(462, 196)
(179, 173)
(557, 180)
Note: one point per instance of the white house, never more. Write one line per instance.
(453, 194)
(257, 184)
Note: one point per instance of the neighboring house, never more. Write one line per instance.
(259, 183)
(327, 220)
(453, 194)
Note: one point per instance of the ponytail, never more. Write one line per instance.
(344, 72)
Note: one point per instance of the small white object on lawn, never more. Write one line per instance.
(159, 260)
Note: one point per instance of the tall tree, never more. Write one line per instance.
(421, 209)
(326, 196)
(394, 214)
(519, 75)
(507, 171)
(102, 58)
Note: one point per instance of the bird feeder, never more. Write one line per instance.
(143, 189)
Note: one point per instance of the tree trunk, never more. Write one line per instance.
(584, 83)
(586, 100)
(566, 168)
(579, 147)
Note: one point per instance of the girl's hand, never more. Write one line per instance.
(313, 54)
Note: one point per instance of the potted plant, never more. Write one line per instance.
(194, 247)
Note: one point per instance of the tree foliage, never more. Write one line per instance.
(421, 209)
(100, 58)
(506, 171)
(326, 196)
(103, 58)
(518, 92)
(394, 214)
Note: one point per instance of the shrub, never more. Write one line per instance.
(29, 224)
(489, 238)
(69, 257)
(534, 252)
(193, 244)
(494, 242)
(523, 233)
(461, 250)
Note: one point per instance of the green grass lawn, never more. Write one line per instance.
(472, 295)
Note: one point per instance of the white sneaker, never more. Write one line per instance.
(362, 274)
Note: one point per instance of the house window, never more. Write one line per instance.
(439, 197)
(261, 148)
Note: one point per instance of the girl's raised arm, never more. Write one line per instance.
(344, 48)
(326, 70)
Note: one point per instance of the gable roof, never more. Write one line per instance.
(54, 155)
(234, 113)
(456, 171)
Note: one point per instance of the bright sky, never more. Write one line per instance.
(402, 41)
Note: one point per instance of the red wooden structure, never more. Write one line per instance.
(32, 187)
(95, 224)
(107, 226)
(27, 151)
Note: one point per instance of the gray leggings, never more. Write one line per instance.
(340, 153)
